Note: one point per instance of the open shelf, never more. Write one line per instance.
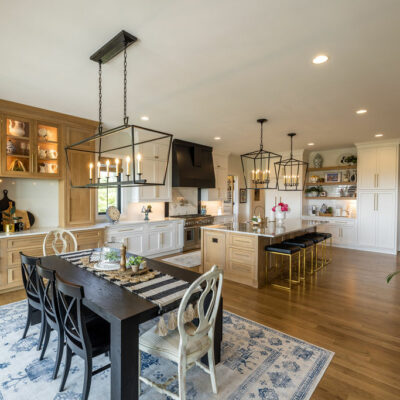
(331, 184)
(17, 155)
(331, 198)
(17, 137)
(335, 168)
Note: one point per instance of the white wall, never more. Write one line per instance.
(235, 169)
(40, 197)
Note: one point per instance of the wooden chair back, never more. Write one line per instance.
(30, 278)
(71, 310)
(60, 236)
(207, 304)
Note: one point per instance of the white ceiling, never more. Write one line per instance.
(210, 68)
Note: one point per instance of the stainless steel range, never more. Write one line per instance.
(192, 231)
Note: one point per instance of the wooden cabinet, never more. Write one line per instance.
(377, 167)
(237, 254)
(32, 245)
(377, 220)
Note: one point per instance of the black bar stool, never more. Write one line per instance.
(319, 243)
(286, 250)
(327, 236)
(304, 244)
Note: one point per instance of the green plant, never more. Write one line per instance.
(329, 210)
(135, 260)
(112, 256)
(350, 159)
(317, 189)
(390, 276)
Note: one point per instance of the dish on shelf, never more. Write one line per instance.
(17, 166)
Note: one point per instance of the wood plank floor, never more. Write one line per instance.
(348, 308)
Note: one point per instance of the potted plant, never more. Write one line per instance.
(349, 160)
(135, 262)
(313, 191)
(390, 276)
(280, 212)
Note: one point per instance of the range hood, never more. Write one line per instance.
(192, 165)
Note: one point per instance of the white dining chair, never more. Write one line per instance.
(187, 345)
(59, 235)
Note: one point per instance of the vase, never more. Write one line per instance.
(317, 161)
(280, 217)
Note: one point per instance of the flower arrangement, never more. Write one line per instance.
(282, 207)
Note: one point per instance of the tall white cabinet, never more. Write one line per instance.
(377, 188)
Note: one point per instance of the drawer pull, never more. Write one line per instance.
(214, 240)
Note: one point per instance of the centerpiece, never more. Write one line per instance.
(280, 212)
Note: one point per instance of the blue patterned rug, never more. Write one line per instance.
(257, 363)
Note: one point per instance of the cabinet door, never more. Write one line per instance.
(366, 170)
(385, 222)
(149, 173)
(163, 193)
(333, 229)
(136, 244)
(213, 249)
(386, 167)
(366, 218)
(347, 234)
(179, 229)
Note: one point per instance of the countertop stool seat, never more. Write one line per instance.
(285, 250)
(320, 245)
(304, 244)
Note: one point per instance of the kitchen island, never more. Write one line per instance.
(239, 248)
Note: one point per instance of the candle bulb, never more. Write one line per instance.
(108, 168)
(91, 171)
(117, 166)
(128, 161)
(98, 169)
(139, 163)
(252, 174)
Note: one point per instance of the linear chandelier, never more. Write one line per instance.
(127, 155)
(258, 166)
(291, 173)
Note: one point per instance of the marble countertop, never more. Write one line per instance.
(270, 229)
(101, 225)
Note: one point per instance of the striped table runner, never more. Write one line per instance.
(164, 290)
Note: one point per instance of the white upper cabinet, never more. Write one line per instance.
(377, 167)
(221, 174)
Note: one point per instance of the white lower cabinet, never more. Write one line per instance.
(149, 239)
(344, 233)
(377, 220)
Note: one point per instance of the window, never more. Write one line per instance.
(108, 197)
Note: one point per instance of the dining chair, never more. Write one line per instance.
(59, 235)
(187, 345)
(85, 338)
(47, 289)
(35, 309)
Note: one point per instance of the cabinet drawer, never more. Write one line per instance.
(14, 276)
(24, 242)
(160, 225)
(83, 235)
(247, 257)
(125, 231)
(243, 241)
(13, 257)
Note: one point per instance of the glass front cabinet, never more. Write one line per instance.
(29, 148)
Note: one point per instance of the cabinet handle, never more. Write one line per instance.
(377, 180)
(215, 240)
(377, 202)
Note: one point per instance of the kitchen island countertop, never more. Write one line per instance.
(270, 229)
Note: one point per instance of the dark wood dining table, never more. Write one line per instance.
(124, 311)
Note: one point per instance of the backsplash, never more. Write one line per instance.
(184, 201)
(133, 211)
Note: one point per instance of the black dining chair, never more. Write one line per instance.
(85, 338)
(35, 309)
(47, 289)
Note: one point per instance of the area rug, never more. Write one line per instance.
(257, 363)
(189, 260)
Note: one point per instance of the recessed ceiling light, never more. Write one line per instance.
(378, 134)
(217, 137)
(144, 118)
(322, 58)
(310, 144)
(361, 111)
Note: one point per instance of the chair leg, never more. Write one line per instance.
(182, 378)
(42, 330)
(211, 366)
(28, 322)
(68, 358)
(46, 341)
(88, 377)
(60, 350)
(139, 370)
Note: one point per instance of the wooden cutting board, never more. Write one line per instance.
(25, 219)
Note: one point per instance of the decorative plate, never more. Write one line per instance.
(113, 214)
(106, 266)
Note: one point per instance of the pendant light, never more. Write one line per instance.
(124, 156)
(291, 172)
(258, 166)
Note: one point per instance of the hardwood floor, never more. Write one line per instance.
(348, 308)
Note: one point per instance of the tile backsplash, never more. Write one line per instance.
(184, 201)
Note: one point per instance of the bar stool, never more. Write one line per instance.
(304, 244)
(319, 240)
(327, 236)
(286, 250)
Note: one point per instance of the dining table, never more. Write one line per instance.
(124, 311)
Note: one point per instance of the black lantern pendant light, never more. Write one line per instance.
(128, 155)
(291, 172)
(258, 166)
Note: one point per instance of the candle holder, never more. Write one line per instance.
(140, 180)
(127, 177)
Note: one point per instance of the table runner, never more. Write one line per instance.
(164, 290)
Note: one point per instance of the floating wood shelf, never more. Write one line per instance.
(331, 198)
(335, 168)
(331, 183)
